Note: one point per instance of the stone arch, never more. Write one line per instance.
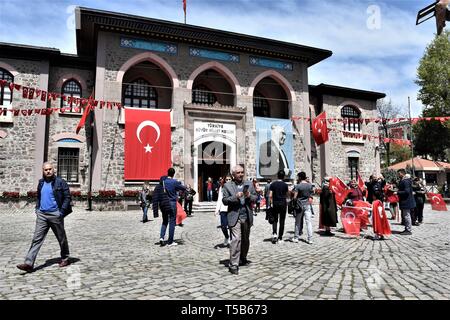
(9, 68)
(74, 76)
(68, 135)
(278, 77)
(149, 56)
(220, 68)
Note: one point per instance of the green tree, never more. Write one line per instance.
(400, 153)
(432, 138)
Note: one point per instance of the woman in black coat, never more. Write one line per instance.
(328, 207)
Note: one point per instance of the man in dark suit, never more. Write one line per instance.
(272, 158)
(52, 206)
(239, 196)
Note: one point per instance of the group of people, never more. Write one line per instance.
(236, 205)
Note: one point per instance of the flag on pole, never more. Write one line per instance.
(340, 190)
(184, 9)
(86, 112)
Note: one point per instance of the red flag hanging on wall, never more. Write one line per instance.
(437, 203)
(86, 112)
(319, 129)
(147, 144)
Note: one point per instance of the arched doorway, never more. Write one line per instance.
(213, 161)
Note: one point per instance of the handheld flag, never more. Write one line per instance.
(437, 203)
(340, 190)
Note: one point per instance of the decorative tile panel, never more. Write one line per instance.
(69, 140)
(271, 63)
(213, 54)
(170, 48)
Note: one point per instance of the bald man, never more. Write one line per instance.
(272, 158)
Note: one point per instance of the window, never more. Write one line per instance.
(70, 88)
(431, 178)
(351, 117)
(201, 94)
(353, 165)
(68, 163)
(5, 96)
(139, 94)
(260, 105)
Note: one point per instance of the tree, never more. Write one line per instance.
(386, 110)
(433, 75)
(400, 153)
(431, 138)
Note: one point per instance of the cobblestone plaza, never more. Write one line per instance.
(115, 256)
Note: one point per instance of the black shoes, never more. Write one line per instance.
(244, 262)
(25, 267)
(328, 233)
(233, 270)
(405, 233)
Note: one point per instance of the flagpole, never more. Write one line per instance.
(411, 137)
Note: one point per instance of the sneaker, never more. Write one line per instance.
(173, 244)
(309, 241)
(280, 241)
(295, 240)
(226, 242)
(161, 241)
(405, 233)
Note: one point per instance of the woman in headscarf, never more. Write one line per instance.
(328, 208)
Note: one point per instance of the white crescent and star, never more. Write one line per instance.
(438, 201)
(350, 213)
(142, 125)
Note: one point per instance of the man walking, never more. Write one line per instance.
(239, 196)
(52, 205)
(407, 202)
(171, 186)
(278, 195)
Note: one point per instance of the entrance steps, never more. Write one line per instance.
(204, 207)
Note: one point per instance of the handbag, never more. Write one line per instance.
(270, 217)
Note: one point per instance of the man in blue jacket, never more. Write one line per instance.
(407, 202)
(170, 186)
(52, 205)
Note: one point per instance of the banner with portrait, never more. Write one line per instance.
(274, 148)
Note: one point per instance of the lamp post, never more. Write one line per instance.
(411, 137)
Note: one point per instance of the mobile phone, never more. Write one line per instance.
(245, 188)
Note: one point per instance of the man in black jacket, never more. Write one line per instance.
(52, 205)
(407, 202)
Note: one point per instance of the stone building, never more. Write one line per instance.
(204, 76)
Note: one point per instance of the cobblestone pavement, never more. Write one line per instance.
(118, 257)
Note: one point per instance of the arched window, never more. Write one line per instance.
(140, 94)
(70, 88)
(5, 92)
(201, 94)
(351, 117)
(260, 105)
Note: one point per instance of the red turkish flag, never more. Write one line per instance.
(147, 144)
(340, 190)
(437, 203)
(319, 129)
(181, 214)
(351, 221)
(184, 6)
(380, 222)
(362, 185)
(86, 112)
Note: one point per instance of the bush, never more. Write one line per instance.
(32, 194)
(8, 194)
(107, 193)
(130, 193)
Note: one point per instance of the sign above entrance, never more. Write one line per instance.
(214, 130)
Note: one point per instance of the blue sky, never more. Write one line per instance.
(376, 44)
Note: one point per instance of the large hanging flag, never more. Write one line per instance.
(437, 203)
(380, 222)
(319, 129)
(340, 190)
(147, 144)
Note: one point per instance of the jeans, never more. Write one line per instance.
(169, 218)
(279, 211)
(299, 222)
(188, 206)
(406, 215)
(209, 194)
(144, 210)
(224, 223)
